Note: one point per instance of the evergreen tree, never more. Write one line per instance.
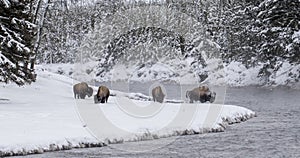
(278, 22)
(63, 32)
(278, 25)
(16, 36)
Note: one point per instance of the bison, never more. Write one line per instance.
(81, 90)
(202, 94)
(158, 94)
(102, 95)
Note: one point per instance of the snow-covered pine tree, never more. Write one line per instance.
(260, 33)
(16, 42)
(240, 42)
(278, 21)
(278, 25)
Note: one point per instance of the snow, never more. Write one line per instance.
(234, 74)
(296, 37)
(160, 71)
(4, 59)
(6, 3)
(238, 75)
(287, 74)
(39, 115)
(171, 117)
(44, 116)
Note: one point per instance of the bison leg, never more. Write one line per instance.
(99, 99)
(203, 99)
(212, 97)
(102, 100)
(82, 96)
(106, 99)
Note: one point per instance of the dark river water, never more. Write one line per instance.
(275, 132)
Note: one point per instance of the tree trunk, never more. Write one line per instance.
(40, 30)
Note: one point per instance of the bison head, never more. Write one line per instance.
(89, 91)
(209, 96)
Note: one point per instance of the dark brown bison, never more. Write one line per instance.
(102, 95)
(81, 90)
(158, 94)
(202, 94)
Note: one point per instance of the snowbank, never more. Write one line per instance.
(234, 74)
(238, 75)
(44, 117)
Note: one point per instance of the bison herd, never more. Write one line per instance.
(201, 93)
(82, 89)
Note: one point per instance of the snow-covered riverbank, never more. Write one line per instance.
(234, 74)
(44, 117)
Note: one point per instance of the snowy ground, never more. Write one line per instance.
(44, 117)
(234, 74)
